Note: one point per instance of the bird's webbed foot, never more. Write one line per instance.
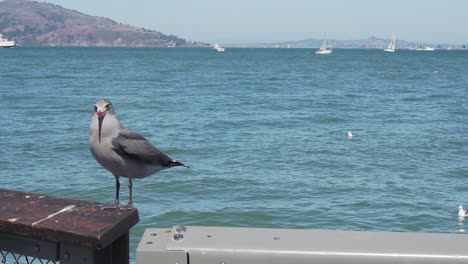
(129, 206)
(108, 206)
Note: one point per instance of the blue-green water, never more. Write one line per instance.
(264, 131)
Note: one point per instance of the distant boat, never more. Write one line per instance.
(449, 47)
(5, 43)
(217, 47)
(424, 48)
(325, 48)
(391, 45)
(428, 48)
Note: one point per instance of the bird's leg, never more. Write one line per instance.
(129, 206)
(116, 203)
(130, 186)
(117, 191)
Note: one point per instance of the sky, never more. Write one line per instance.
(265, 21)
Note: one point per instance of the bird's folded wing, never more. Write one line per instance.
(134, 146)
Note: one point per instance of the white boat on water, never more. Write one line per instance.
(326, 47)
(391, 45)
(425, 48)
(5, 43)
(217, 47)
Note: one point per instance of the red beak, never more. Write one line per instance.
(99, 113)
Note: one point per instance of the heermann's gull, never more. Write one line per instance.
(123, 152)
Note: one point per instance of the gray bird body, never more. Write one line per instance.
(123, 152)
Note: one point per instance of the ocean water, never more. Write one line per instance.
(264, 131)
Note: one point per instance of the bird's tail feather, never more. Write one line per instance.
(177, 163)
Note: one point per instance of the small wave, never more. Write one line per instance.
(413, 99)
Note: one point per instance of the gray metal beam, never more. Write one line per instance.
(197, 245)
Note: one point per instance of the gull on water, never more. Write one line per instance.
(462, 211)
(123, 152)
(351, 135)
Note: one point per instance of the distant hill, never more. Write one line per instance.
(32, 23)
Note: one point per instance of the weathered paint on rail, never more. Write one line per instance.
(74, 222)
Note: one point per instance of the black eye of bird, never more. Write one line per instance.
(107, 106)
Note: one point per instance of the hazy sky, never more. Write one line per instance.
(247, 21)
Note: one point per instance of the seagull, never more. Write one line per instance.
(462, 211)
(351, 135)
(123, 152)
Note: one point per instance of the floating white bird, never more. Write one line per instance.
(462, 211)
(351, 135)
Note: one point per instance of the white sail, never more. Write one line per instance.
(391, 45)
(324, 45)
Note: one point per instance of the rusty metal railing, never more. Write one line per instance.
(37, 228)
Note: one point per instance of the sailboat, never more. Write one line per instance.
(391, 45)
(325, 48)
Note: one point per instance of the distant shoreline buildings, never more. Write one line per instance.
(370, 43)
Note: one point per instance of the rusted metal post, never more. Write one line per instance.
(65, 230)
